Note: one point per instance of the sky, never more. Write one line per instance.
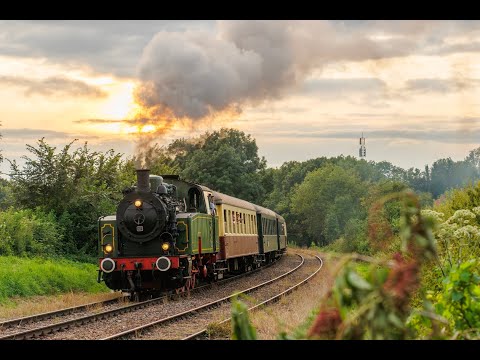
(302, 89)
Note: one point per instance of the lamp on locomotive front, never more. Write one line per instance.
(108, 248)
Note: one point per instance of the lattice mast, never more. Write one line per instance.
(362, 151)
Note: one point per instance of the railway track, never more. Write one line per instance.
(40, 325)
(203, 334)
(172, 327)
(13, 323)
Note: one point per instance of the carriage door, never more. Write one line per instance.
(212, 226)
(261, 249)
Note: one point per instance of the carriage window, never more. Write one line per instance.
(241, 224)
(225, 220)
(229, 221)
(235, 222)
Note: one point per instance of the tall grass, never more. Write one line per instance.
(37, 276)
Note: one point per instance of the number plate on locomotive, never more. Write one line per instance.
(139, 228)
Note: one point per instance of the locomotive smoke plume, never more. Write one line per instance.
(197, 75)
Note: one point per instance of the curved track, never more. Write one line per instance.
(37, 329)
(172, 327)
(203, 334)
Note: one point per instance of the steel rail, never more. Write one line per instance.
(139, 329)
(57, 313)
(203, 333)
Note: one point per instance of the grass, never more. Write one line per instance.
(27, 277)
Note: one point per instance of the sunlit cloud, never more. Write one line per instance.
(53, 86)
(301, 88)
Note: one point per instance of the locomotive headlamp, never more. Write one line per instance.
(138, 203)
(165, 246)
(108, 248)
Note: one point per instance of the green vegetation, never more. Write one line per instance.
(28, 277)
(50, 206)
(241, 327)
(75, 187)
(325, 201)
(29, 232)
(402, 295)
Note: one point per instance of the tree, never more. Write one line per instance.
(327, 199)
(447, 174)
(227, 161)
(77, 185)
(6, 195)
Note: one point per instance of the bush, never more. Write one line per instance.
(37, 276)
(32, 232)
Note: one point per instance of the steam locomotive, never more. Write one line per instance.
(169, 234)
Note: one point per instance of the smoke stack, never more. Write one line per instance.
(143, 180)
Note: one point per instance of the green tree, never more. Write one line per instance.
(77, 185)
(448, 174)
(227, 161)
(327, 199)
(6, 195)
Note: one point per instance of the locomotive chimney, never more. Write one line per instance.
(143, 180)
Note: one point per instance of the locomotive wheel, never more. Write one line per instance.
(193, 280)
(135, 296)
(180, 290)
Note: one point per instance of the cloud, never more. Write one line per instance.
(114, 46)
(453, 136)
(199, 74)
(33, 133)
(440, 86)
(471, 46)
(16, 134)
(54, 86)
(97, 121)
(106, 46)
(336, 87)
(136, 121)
